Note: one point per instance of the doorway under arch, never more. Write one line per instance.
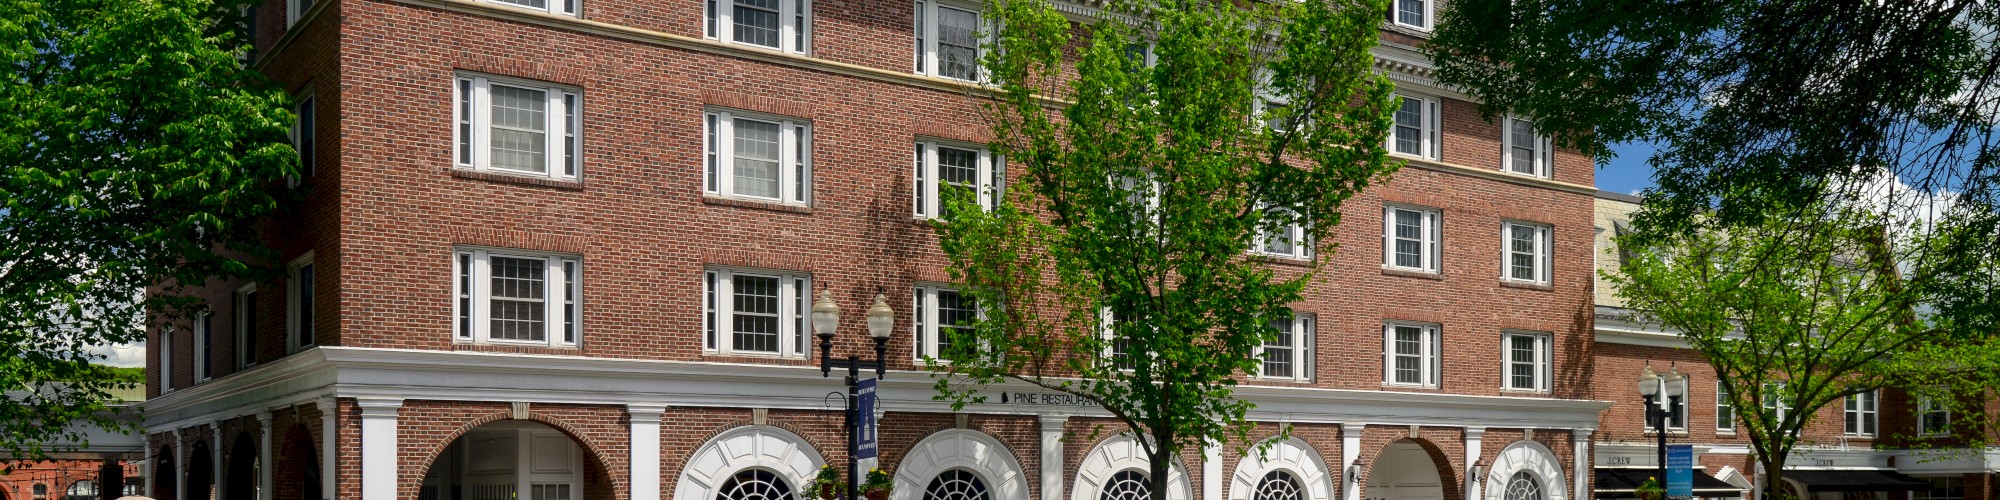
(166, 477)
(513, 459)
(297, 476)
(200, 471)
(1404, 471)
(239, 480)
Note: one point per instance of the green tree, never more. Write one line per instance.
(1796, 315)
(135, 144)
(1148, 163)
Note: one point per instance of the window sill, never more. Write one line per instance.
(1282, 259)
(1429, 275)
(518, 349)
(1725, 434)
(1522, 392)
(1412, 387)
(484, 175)
(1526, 285)
(1678, 433)
(761, 205)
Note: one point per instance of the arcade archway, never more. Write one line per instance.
(1404, 471)
(513, 459)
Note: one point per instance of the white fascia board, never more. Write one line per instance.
(294, 379)
(1948, 461)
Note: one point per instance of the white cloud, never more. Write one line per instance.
(121, 355)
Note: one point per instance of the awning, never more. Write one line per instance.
(1856, 480)
(1620, 483)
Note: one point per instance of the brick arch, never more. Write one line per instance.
(725, 427)
(904, 451)
(297, 469)
(592, 450)
(952, 448)
(770, 448)
(1449, 481)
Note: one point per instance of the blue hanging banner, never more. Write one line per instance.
(1680, 471)
(865, 422)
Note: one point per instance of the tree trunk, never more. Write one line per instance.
(1774, 469)
(1160, 463)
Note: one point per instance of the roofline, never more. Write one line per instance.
(1617, 196)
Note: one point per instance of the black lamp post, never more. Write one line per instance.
(1662, 394)
(881, 319)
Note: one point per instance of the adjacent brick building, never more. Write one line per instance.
(556, 249)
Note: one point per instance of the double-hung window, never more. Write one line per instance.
(1413, 13)
(944, 318)
(784, 25)
(1528, 361)
(945, 167)
(1725, 412)
(1288, 240)
(1860, 414)
(756, 312)
(948, 39)
(1410, 238)
(299, 294)
(202, 345)
(506, 296)
(1677, 413)
(244, 307)
(304, 137)
(294, 9)
(1118, 347)
(557, 7)
(757, 157)
(1527, 153)
(518, 127)
(1288, 354)
(1933, 419)
(1410, 354)
(1415, 133)
(1527, 253)
(1775, 400)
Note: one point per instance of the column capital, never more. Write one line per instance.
(645, 412)
(379, 407)
(1056, 421)
(1582, 432)
(264, 418)
(1474, 432)
(327, 405)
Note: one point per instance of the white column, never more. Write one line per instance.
(149, 469)
(1472, 483)
(180, 464)
(1211, 471)
(264, 466)
(1580, 442)
(378, 448)
(329, 434)
(215, 459)
(1350, 451)
(645, 450)
(1052, 457)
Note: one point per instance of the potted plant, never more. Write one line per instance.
(1651, 490)
(827, 484)
(876, 486)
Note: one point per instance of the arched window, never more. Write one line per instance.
(81, 490)
(754, 484)
(1128, 484)
(957, 484)
(1523, 487)
(1280, 485)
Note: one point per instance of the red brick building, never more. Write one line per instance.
(556, 249)
(65, 479)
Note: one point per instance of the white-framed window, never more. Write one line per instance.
(784, 25)
(942, 312)
(1774, 400)
(1677, 412)
(557, 7)
(304, 139)
(1117, 348)
(754, 312)
(1288, 355)
(1410, 354)
(1527, 153)
(1861, 414)
(1410, 238)
(166, 350)
(517, 127)
(243, 306)
(1942, 488)
(508, 296)
(1288, 241)
(942, 166)
(757, 156)
(1725, 412)
(1413, 13)
(299, 295)
(1528, 361)
(295, 9)
(1415, 132)
(1933, 418)
(948, 39)
(1527, 252)
(202, 324)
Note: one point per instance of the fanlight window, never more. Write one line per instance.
(1279, 485)
(754, 484)
(1524, 487)
(957, 484)
(1128, 484)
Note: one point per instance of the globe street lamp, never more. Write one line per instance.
(1661, 394)
(881, 319)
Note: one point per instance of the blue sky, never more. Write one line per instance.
(1628, 172)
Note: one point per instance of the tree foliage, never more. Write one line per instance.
(135, 144)
(1152, 145)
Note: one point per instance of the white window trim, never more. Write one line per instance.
(299, 121)
(1429, 134)
(1541, 253)
(1861, 416)
(1774, 399)
(1430, 16)
(299, 327)
(1429, 354)
(1433, 233)
(1108, 331)
(566, 8)
(926, 25)
(1544, 150)
(563, 129)
(1303, 325)
(296, 9)
(553, 298)
(929, 204)
(1543, 364)
(204, 341)
(1302, 244)
(1925, 407)
(795, 169)
(794, 335)
(1683, 408)
(795, 23)
(926, 322)
(1722, 404)
(166, 351)
(242, 306)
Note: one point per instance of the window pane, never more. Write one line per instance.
(1410, 126)
(756, 159)
(958, 169)
(1278, 352)
(1409, 354)
(1409, 238)
(756, 313)
(519, 140)
(538, 4)
(1522, 369)
(956, 315)
(958, 45)
(518, 289)
(1521, 254)
(757, 22)
(1522, 154)
(1410, 12)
